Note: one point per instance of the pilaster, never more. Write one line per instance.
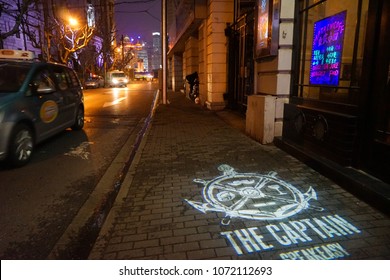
(274, 74)
(220, 13)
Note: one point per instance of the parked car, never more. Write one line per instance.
(37, 100)
(95, 82)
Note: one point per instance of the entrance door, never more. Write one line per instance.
(241, 62)
(376, 133)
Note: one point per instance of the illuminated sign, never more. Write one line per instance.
(262, 23)
(328, 37)
(267, 198)
(267, 28)
(16, 54)
(252, 196)
(293, 233)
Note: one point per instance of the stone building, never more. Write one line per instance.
(310, 75)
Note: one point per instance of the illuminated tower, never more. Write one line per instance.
(156, 51)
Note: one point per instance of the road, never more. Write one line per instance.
(40, 200)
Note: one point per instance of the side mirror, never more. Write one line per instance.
(40, 88)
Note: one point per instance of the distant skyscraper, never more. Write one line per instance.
(156, 51)
(143, 61)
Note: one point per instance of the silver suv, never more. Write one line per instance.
(37, 100)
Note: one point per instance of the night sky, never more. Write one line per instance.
(138, 18)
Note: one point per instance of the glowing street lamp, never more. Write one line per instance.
(73, 22)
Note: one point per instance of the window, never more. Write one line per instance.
(119, 75)
(331, 49)
(73, 78)
(12, 77)
(43, 81)
(61, 77)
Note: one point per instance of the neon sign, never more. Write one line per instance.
(328, 37)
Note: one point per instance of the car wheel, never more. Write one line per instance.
(21, 145)
(79, 122)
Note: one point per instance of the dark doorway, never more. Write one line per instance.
(375, 118)
(240, 62)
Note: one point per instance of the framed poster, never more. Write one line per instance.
(267, 28)
(327, 48)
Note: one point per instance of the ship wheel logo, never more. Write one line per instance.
(252, 196)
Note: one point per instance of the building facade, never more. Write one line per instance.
(197, 43)
(339, 104)
(19, 40)
(312, 75)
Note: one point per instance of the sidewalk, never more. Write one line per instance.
(200, 189)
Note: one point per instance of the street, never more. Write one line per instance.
(40, 200)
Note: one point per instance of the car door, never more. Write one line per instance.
(45, 104)
(65, 89)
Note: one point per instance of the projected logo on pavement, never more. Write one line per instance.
(267, 198)
(252, 196)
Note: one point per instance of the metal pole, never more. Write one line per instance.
(164, 50)
(123, 54)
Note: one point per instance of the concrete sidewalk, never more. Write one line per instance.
(200, 189)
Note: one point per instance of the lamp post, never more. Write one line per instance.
(164, 50)
(123, 52)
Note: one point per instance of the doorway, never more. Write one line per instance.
(375, 101)
(240, 62)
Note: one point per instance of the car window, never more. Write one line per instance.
(43, 81)
(73, 78)
(61, 77)
(12, 76)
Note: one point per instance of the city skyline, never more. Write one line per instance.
(138, 18)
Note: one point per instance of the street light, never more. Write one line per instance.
(164, 50)
(73, 22)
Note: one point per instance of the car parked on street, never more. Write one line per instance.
(37, 100)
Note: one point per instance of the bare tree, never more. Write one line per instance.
(51, 32)
(88, 58)
(16, 10)
(64, 38)
(123, 59)
(72, 39)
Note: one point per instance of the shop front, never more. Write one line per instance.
(339, 109)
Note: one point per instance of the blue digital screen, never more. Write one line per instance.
(328, 37)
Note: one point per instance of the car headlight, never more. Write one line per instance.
(115, 81)
(126, 81)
